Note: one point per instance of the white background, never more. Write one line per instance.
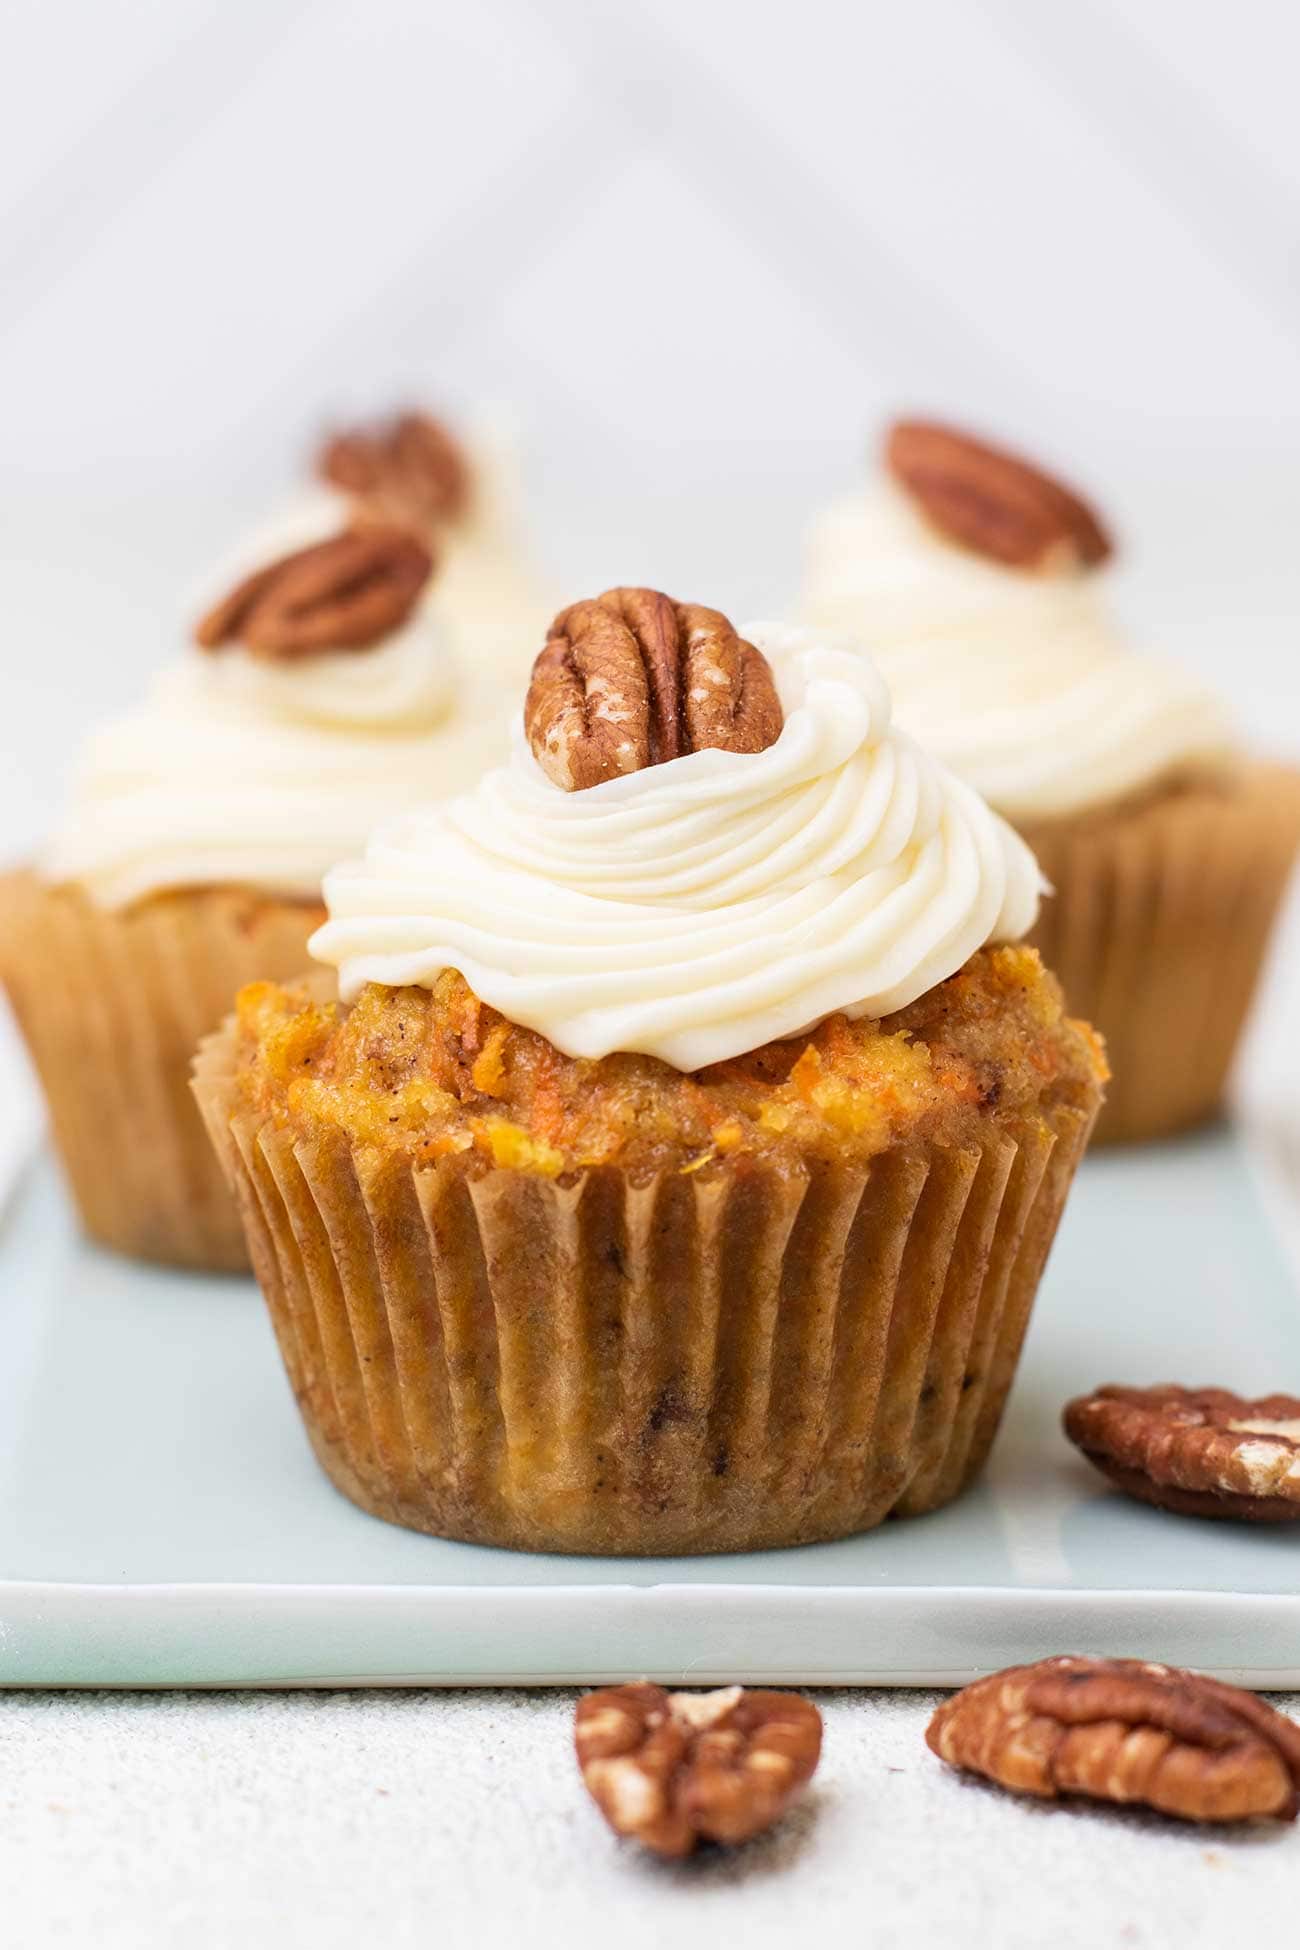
(701, 248)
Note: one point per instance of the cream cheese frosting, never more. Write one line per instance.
(1023, 683)
(236, 771)
(697, 909)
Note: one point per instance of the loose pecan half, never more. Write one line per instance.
(631, 678)
(1203, 1452)
(671, 1769)
(342, 594)
(993, 501)
(408, 470)
(1121, 1730)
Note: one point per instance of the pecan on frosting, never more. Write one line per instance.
(992, 501)
(342, 594)
(408, 470)
(630, 679)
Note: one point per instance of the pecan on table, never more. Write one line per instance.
(1121, 1730)
(341, 594)
(631, 678)
(992, 501)
(408, 470)
(1202, 1452)
(673, 1769)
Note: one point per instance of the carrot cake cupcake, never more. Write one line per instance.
(678, 1168)
(319, 695)
(976, 581)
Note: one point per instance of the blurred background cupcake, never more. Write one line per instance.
(460, 494)
(976, 580)
(319, 695)
(678, 1170)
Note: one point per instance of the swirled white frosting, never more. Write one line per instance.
(697, 909)
(235, 771)
(1022, 683)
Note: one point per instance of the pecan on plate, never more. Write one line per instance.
(631, 678)
(992, 501)
(407, 470)
(1121, 1730)
(1203, 1452)
(343, 594)
(672, 1769)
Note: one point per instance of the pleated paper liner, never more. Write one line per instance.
(760, 1357)
(1158, 932)
(112, 1005)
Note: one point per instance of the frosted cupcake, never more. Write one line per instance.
(678, 1169)
(976, 580)
(319, 696)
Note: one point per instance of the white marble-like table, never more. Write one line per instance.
(340, 1821)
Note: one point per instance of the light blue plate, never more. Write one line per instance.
(162, 1521)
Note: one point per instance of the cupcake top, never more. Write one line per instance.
(702, 841)
(319, 694)
(974, 579)
(458, 493)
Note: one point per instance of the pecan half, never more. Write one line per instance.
(993, 501)
(1121, 1730)
(343, 594)
(1203, 1452)
(671, 1769)
(631, 678)
(408, 470)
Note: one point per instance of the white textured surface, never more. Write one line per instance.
(337, 1821)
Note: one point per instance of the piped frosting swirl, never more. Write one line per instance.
(235, 771)
(700, 908)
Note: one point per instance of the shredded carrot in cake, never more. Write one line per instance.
(429, 1073)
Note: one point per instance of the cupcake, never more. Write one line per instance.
(678, 1167)
(976, 580)
(460, 495)
(319, 696)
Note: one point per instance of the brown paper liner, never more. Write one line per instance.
(1158, 932)
(112, 1005)
(759, 1357)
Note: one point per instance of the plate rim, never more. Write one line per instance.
(325, 1635)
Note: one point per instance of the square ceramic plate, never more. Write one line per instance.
(162, 1521)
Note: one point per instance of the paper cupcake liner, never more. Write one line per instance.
(1158, 932)
(758, 1357)
(112, 1005)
